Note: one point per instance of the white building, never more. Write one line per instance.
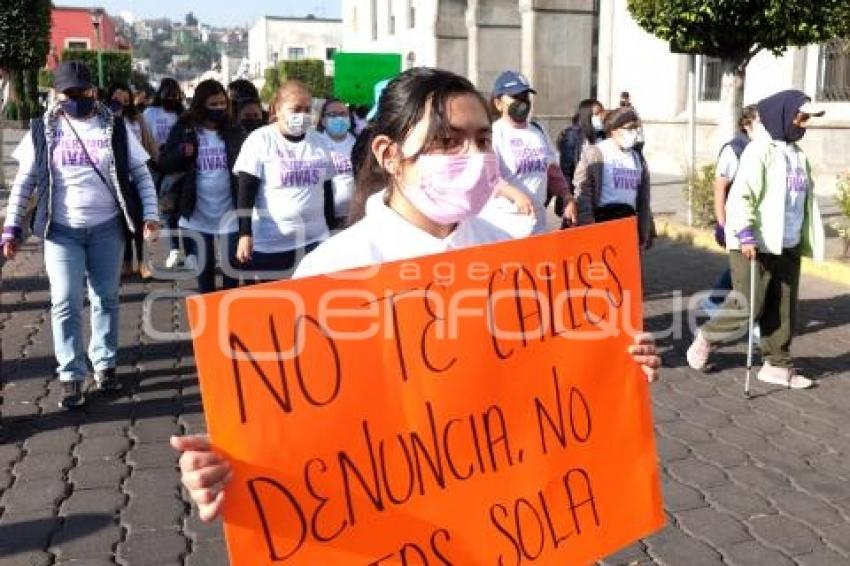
(575, 49)
(274, 39)
(550, 41)
(233, 68)
(633, 60)
(399, 26)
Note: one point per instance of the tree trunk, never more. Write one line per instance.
(13, 93)
(731, 98)
(31, 90)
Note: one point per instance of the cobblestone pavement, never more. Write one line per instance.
(758, 482)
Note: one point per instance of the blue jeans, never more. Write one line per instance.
(206, 257)
(722, 287)
(70, 255)
(272, 266)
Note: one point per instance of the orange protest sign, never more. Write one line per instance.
(474, 407)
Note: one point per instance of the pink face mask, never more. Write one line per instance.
(453, 188)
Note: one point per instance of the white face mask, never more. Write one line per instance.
(596, 122)
(628, 139)
(298, 123)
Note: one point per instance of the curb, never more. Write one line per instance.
(830, 270)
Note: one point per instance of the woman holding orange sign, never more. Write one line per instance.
(429, 174)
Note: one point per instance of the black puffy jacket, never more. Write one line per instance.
(173, 160)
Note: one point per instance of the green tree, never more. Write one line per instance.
(202, 55)
(24, 44)
(735, 31)
(270, 86)
(159, 55)
(117, 65)
(309, 71)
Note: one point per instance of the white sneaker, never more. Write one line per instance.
(785, 377)
(175, 258)
(191, 263)
(699, 352)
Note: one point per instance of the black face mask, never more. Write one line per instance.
(519, 110)
(170, 104)
(217, 116)
(251, 125)
(78, 107)
(116, 107)
(795, 133)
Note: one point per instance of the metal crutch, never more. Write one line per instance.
(751, 327)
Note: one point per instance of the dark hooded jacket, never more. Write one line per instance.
(777, 113)
(755, 210)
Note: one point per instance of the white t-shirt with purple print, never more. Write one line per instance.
(343, 181)
(796, 185)
(160, 123)
(80, 198)
(621, 174)
(214, 201)
(524, 158)
(289, 210)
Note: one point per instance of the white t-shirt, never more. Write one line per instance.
(343, 181)
(383, 235)
(160, 123)
(214, 203)
(727, 163)
(621, 175)
(796, 185)
(289, 210)
(524, 158)
(135, 128)
(80, 198)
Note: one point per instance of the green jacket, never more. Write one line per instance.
(755, 209)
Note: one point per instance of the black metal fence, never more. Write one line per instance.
(834, 71)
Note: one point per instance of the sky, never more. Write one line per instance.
(213, 12)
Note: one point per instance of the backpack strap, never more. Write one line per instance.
(538, 126)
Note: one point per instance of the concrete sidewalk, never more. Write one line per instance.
(669, 202)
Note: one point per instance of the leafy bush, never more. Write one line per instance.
(45, 79)
(309, 71)
(10, 110)
(271, 85)
(117, 65)
(702, 202)
(842, 198)
(842, 194)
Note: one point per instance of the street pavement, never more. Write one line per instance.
(746, 482)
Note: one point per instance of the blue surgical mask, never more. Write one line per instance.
(337, 126)
(78, 107)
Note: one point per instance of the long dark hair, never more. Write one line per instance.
(195, 116)
(169, 88)
(402, 105)
(130, 112)
(242, 88)
(584, 120)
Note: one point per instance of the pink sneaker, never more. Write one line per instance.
(785, 377)
(698, 352)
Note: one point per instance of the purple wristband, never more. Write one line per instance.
(11, 233)
(747, 237)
